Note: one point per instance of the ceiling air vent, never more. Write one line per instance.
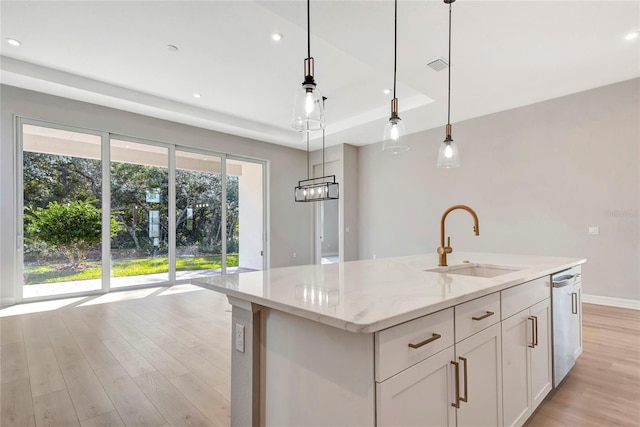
(438, 65)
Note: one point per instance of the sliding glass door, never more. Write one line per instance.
(140, 204)
(245, 215)
(219, 215)
(62, 211)
(105, 212)
(199, 224)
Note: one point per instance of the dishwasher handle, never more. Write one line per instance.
(562, 281)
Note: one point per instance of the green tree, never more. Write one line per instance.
(73, 227)
(49, 178)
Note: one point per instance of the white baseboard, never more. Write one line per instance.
(7, 301)
(613, 302)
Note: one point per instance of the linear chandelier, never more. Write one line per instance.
(317, 189)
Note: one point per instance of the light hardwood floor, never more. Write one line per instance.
(603, 389)
(137, 358)
(162, 357)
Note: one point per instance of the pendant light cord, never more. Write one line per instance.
(449, 93)
(308, 155)
(323, 99)
(395, 46)
(308, 29)
(323, 152)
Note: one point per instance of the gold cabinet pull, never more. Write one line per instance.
(574, 303)
(535, 342)
(425, 342)
(533, 328)
(465, 398)
(484, 316)
(456, 404)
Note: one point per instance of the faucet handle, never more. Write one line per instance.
(447, 249)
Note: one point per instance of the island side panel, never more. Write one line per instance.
(245, 365)
(314, 374)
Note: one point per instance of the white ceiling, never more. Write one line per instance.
(505, 54)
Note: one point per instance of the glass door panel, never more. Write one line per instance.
(139, 202)
(245, 215)
(62, 223)
(198, 215)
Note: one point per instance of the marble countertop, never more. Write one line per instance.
(371, 295)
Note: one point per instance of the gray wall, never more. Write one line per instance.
(350, 192)
(538, 176)
(290, 222)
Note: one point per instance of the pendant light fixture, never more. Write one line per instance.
(395, 138)
(317, 189)
(308, 112)
(448, 156)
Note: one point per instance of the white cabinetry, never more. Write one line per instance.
(541, 354)
(404, 345)
(526, 348)
(420, 395)
(414, 374)
(516, 338)
(576, 316)
(526, 361)
(486, 362)
(462, 382)
(480, 391)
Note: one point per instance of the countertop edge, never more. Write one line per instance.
(390, 321)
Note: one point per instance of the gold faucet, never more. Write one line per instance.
(444, 250)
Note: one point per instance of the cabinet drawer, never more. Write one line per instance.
(523, 296)
(392, 346)
(476, 315)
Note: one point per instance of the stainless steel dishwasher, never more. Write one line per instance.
(565, 313)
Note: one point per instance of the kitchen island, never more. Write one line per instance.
(379, 342)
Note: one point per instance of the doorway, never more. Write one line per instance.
(327, 224)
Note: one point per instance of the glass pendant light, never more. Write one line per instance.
(448, 156)
(395, 134)
(308, 111)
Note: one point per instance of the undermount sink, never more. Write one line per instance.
(476, 270)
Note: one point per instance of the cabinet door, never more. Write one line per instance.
(482, 378)
(541, 367)
(576, 315)
(419, 396)
(517, 336)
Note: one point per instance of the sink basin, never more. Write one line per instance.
(476, 270)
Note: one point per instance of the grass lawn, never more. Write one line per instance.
(52, 273)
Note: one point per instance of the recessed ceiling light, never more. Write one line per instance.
(632, 35)
(197, 95)
(13, 42)
(172, 48)
(386, 91)
(276, 37)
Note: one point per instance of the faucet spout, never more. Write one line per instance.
(444, 250)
